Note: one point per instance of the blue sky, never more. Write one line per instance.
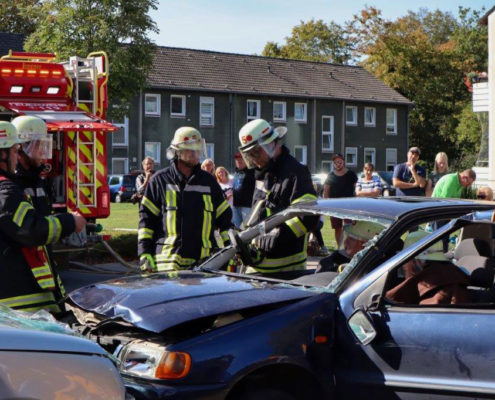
(244, 26)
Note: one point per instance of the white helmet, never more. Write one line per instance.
(33, 130)
(8, 135)
(186, 138)
(258, 132)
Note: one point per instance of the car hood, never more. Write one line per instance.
(160, 301)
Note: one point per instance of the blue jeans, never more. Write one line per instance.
(240, 214)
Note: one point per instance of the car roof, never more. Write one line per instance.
(391, 207)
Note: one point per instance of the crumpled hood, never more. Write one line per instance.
(160, 301)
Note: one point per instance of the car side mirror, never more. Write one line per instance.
(361, 325)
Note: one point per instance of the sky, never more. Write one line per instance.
(244, 26)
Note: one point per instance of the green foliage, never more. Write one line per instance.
(119, 27)
(18, 16)
(313, 41)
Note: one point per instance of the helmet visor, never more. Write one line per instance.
(39, 149)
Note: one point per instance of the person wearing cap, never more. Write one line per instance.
(281, 181)
(431, 278)
(409, 178)
(181, 208)
(341, 182)
(451, 185)
(357, 234)
(243, 190)
(28, 282)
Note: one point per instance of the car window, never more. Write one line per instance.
(114, 180)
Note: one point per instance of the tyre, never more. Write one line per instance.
(118, 198)
(266, 394)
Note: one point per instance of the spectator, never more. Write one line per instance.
(209, 166)
(451, 185)
(410, 178)
(484, 193)
(340, 182)
(440, 169)
(369, 185)
(243, 190)
(143, 178)
(226, 183)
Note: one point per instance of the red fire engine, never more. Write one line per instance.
(71, 97)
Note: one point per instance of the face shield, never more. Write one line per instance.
(182, 150)
(39, 148)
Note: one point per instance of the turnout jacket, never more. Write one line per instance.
(286, 181)
(28, 281)
(178, 216)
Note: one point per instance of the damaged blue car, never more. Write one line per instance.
(213, 334)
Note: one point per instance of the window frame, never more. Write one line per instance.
(305, 117)
(354, 121)
(330, 166)
(284, 111)
(394, 132)
(258, 109)
(207, 100)
(158, 111)
(355, 152)
(387, 162)
(373, 122)
(125, 126)
(304, 149)
(210, 153)
(183, 104)
(330, 133)
(156, 160)
(373, 157)
(126, 165)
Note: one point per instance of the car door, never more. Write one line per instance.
(420, 351)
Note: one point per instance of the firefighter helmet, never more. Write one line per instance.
(8, 135)
(363, 230)
(33, 130)
(257, 131)
(186, 138)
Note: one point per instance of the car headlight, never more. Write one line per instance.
(151, 360)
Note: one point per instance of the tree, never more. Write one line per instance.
(119, 27)
(313, 41)
(14, 17)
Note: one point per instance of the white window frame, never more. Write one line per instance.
(389, 128)
(210, 151)
(304, 149)
(183, 102)
(126, 164)
(390, 161)
(350, 151)
(284, 111)
(156, 157)
(325, 168)
(305, 108)
(327, 133)
(373, 121)
(354, 121)
(258, 109)
(371, 150)
(125, 127)
(158, 103)
(206, 100)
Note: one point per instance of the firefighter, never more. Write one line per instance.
(280, 181)
(181, 207)
(28, 282)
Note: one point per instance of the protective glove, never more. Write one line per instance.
(270, 240)
(147, 263)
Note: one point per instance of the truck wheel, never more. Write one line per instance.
(266, 394)
(118, 198)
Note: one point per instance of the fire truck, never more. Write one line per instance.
(71, 97)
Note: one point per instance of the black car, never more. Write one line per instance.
(212, 334)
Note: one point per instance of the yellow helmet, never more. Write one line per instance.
(186, 138)
(8, 135)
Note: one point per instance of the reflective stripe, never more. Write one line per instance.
(260, 185)
(290, 263)
(40, 192)
(54, 229)
(171, 218)
(150, 206)
(42, 270)
(225, 236)
(21, 212)
(304, 197)
(197, 188)
(222, 207)
(145, 233)
(207, 222)
(172, 187)
(29, 192)
(296, 226)
(172, 262)
(28, 299)
(61, 286)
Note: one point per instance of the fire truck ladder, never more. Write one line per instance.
(86, 190)
(84, 74)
